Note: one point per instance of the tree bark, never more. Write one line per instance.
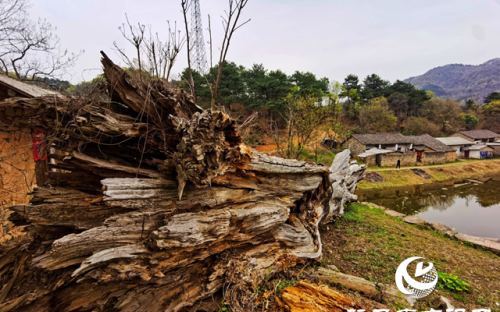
(155, 205)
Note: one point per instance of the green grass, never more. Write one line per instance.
(371, 244)
(284, 284)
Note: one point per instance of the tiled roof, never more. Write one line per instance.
(27, 89)
(398, 138)
(430, 142)
(382, 138)
(480, 134)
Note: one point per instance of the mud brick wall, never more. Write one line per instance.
(17, 174)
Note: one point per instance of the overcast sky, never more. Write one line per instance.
(395, 39)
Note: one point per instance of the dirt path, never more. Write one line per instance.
(469, 169)
(433, 166)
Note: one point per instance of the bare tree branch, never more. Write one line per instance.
(153, 55)
(210, 42)
(30, 49)
(230, 25)
(185, 6)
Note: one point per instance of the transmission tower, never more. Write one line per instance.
(198, 55)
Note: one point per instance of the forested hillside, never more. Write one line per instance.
(295, 111)
(461, 82)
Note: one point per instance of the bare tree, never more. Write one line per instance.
(136, 37)
(230, 25)
(152, 55)
(162, 55)
(12, 15)
(30, 49)
(185, 7)
(303, 117)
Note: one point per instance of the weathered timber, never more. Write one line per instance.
(311, 298)
(153, 204)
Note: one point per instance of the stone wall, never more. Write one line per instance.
(6, 93)
(355, 146)
(17, 173)
(391, 159)
(371, 160)
(431, 158)
(451, 156)
(410, 159)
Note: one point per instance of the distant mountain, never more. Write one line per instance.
(461, 82)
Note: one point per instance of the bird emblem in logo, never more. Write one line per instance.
(417, 289)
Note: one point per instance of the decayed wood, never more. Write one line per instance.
(153, 204)
(305, 297)
(63, 207)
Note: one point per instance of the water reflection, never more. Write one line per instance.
(471, 209)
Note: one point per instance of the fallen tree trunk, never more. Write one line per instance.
(154, 204)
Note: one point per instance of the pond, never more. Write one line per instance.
(469, 207)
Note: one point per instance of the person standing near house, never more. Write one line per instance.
(398, 165)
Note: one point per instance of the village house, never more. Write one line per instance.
(18, 159)
(458, 144)
(481, 138)
(484, 136)
(433, 151)
(392, 141)
(479, 151)
(496, 148)
(385, 149)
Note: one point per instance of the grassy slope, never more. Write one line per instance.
(370, 244)
(458, 170)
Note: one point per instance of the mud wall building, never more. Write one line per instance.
(18, 168)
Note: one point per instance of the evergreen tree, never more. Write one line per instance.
(373, 87)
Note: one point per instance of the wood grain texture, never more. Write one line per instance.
(153, 204)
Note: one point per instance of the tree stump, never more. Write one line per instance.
(154, 204)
